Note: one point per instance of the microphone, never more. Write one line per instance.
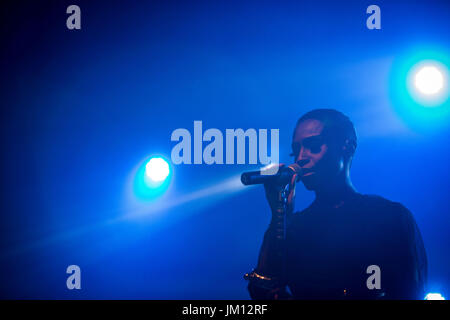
(283, 176)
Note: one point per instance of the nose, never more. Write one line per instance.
(301, 159)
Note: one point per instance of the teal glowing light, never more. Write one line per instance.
(427, 83)
(419, 88)
(157, 169)
(429, 80)
(152, 178)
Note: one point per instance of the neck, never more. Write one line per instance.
(336, 193)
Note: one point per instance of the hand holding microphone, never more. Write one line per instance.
(282, 176)
(280, 190)
(273, 183)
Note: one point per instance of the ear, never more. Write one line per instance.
(349, 147)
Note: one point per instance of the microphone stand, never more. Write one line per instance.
(279, 218)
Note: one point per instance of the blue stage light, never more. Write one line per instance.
(152, 178)
(419, 88)
(434, 296)
(428, 83)
(429, 80)
(157, 169)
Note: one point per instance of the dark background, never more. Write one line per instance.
(81, 109)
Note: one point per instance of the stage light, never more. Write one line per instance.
(427, 83)
(150, 178)
(419, 88)
(434, 296)
(157, 169)
(429, 80)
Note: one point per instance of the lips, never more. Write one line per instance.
(307, 172)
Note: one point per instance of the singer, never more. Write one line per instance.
(330, 249)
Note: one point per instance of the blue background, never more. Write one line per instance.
(82, 109)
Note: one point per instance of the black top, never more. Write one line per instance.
(328, 251)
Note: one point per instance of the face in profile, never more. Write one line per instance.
(316, 152)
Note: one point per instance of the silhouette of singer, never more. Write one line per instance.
(345, 245)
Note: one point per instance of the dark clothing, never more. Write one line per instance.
(328, 251)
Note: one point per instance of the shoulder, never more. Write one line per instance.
(379, 202)
(387, 210)
(365, 201)
(371, 205)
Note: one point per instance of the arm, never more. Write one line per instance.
(267, 279)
